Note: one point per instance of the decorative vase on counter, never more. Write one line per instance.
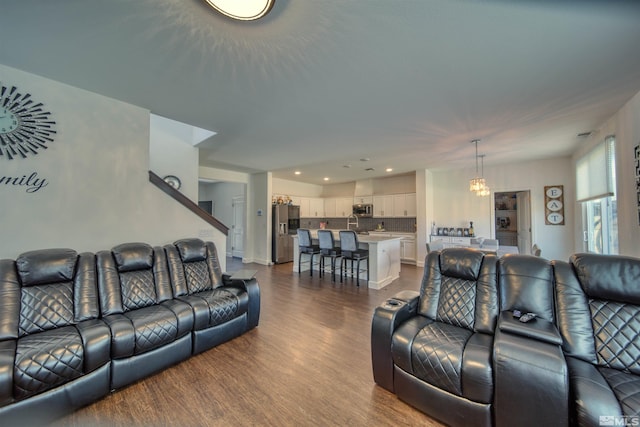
(434, 230)
(471, 232)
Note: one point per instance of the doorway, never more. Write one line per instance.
(513, 219)
(237, 228)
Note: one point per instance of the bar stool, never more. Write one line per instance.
(305, 246)
(350, 251)
(328, 249)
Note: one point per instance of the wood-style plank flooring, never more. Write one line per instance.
(308, 363)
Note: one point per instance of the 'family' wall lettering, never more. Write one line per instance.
(31, 183)
(25, 129)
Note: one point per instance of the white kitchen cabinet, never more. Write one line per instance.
(408, 249)
(344, 207)
(407, 244)
(316, 207)
(383, 206)
(452, 241)
(330, 207)
(404, 205)
(311, 207)
(363, 200)
(411, 204)
(338, 207)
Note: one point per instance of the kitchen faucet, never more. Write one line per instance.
(352, 223)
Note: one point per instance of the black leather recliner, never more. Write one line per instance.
(54, 350)
(598, 310)
(151, 330)
(434, 348)
(224, 308)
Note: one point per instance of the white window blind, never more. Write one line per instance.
(595, 172)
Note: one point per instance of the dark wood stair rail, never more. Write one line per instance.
(188, 203)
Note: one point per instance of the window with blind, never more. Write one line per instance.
(595, 190)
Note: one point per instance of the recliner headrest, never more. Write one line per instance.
(133, 256)
(46, 266)
(462, 263)
(191, 250)
(608, 277)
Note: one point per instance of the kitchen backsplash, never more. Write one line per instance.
(400, 225)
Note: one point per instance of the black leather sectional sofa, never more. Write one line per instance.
(458, 351)
(74, 327)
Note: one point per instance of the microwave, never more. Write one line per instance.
(363, 210)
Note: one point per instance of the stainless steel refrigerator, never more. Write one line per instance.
(282, 245)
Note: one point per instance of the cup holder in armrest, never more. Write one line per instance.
(393, 303)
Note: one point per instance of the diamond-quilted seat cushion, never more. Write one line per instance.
(223, 305)
(154, 327)
(436, 355)
(46, 360)
(626, 387)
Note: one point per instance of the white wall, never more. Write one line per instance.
(98, 193)
(292, 188)
(625, 125)
(222, 195)
(214, 174)
(396, 184)
(258, 243)
(171, 153)
(456, 206)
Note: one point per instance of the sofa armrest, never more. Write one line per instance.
(386, 319)
(96, 340)
(531, 374)
(7, 358)
(250, 285)
(538, 329)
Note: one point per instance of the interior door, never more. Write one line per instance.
(523, 199)
(237, 228)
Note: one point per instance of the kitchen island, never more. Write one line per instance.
(383, 263)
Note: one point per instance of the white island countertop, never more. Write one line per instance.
(363, 238)
(384, 257)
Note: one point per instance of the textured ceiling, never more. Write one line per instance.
(317, 85)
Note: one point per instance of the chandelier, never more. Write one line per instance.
(485, 190)
(476, 184)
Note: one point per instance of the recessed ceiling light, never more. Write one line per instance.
(245, 10)
(364, 159)
(346, 166)
(297, 172)
(584, 134)
(389, 170)
(369, 169)
(326, 178)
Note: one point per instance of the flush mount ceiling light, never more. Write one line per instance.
(476, 184)
(243, 10)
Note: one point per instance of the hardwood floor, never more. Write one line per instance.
(308, 363)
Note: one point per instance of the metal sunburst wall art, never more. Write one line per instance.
(25, 127)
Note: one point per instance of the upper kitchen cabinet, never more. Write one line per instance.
(330, 207)
(383, 206)
(338, 207)
(311, 207)
(344, 206)
(363, 200)
(404, 205)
